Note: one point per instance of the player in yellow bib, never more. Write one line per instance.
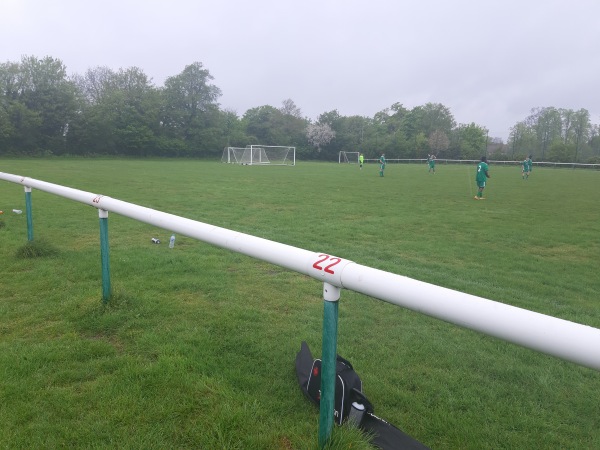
(361, 160)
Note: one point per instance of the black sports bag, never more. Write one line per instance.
(346, 380)
(350, 402)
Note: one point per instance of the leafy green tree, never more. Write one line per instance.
(289, 108)
(520, 134)
(233, 131)
(92, 130)
(566, 132)
(138, 112)
(561, 152)
(323, 135)
(567, 119)
(436, 116)
(547, 124)
(377, 139)
(9, 92)
(391, 121)
(11, 81)
(22, 130)
(352, 133)
(37, 103)
(294, 126)
(423, 121)
(190, 110)
(95, 84)
(438, 142)
(264, 125)
(581, 131)
(471, 141)
(396, 114)
(412, 123)
(6, 128)
(120, 114)
(595, 143)
(421, 144)
(48, 92)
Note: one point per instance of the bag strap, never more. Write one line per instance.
(345, 362)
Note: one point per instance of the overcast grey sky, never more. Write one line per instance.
(490, 61)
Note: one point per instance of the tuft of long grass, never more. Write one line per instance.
(36, 249)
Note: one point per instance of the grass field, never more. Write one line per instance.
(196, 348)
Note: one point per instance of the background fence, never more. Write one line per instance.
(556, 165)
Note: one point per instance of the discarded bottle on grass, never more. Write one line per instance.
(155, 241)
(172, 241)
(17, 211)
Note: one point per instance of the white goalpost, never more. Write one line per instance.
(348, 157)
(274, 155)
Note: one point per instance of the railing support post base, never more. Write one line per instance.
(106, 290)
(331, 295)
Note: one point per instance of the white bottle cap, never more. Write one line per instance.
(358, 406)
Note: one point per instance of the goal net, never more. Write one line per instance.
(274, 155)
(232, 155)
(348, 157)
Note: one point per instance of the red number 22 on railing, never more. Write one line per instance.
(327, 268)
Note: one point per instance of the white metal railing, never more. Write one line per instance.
(496, 162)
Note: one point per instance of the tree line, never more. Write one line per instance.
(43, 111)
(556, 134)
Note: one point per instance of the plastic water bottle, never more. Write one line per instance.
(172, 241)
(17, 211)
(357, 412)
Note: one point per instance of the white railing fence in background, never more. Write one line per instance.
(555, 165)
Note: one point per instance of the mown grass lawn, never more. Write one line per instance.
(196, 348)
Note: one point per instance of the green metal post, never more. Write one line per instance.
(103, 214)
(331, 295)
(29, 213)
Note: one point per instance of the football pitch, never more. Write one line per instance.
(196, 348)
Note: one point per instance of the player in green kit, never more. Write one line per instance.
(525, 169)
(431, 162)
(481, 177)
(361, 160)
(381, 164)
